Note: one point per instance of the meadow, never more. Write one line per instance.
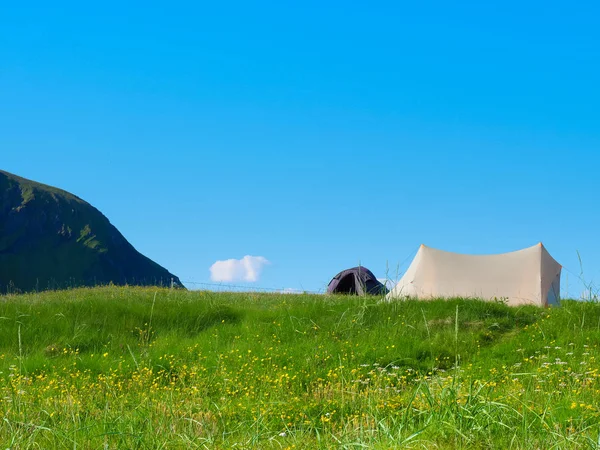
(149, 368)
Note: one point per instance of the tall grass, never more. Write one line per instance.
(158, 368)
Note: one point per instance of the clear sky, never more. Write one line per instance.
(313, 136)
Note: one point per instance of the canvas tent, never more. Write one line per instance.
(528, 276)
(357, 280)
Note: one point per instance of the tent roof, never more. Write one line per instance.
(483, 255)
(357, 269)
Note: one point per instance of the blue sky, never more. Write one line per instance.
(314, 136)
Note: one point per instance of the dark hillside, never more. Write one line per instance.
(50, 238)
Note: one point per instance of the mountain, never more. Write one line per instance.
(50, 238)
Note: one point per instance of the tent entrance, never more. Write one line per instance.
(347, 285)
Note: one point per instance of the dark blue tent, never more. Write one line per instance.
(358, 280)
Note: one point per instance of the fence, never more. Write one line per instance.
(226, 287)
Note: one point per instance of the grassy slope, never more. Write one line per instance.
(141, 368)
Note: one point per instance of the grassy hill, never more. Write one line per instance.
(50, 238)
(156, 368)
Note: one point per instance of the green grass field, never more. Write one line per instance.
(155, 368)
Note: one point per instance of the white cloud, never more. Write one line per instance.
(291, 291)
(248, 269)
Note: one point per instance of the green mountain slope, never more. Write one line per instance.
(50, 238)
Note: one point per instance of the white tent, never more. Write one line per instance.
(528, 276)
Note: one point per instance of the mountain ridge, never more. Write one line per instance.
(51, 238)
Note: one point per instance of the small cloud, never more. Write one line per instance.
(248, 269)
(290, 291)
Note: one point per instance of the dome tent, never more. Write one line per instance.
(527, 276)
(357, 280)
